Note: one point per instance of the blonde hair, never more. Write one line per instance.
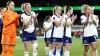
(26, 4)
(8, 3)
(23, 7)
(83, 8)
(65, 9)
(55, 8)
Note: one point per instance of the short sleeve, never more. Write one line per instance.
(83, 19)
(96, 19)
(22, 17)
(44, 24)
(53, 18)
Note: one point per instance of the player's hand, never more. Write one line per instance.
(97, 17)
(75, 17)
(36, 15)
(89, 14)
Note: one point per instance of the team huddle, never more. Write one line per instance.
(57, 30)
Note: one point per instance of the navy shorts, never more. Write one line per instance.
(47, 40)
(67, 40)
(56, 40)
(26, 37)
(89, 40)
(96, 37)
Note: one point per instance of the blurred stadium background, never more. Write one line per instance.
(44, 7)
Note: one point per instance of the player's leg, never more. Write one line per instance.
(86, 48)
(11, 50)
(33, 40)
(93, 45)
(11, 45)
(26, 47)
(61, 52)
(67, 50)
(47, 48)
(35, 47)
(97, 49)
(4, 45)
(97, 46)
(25, 40)
(4, 50)
(94, 48)
(58, 46)
(51, 51)
(47, 41)
(52, 46)
(86, 45)
(68, 42)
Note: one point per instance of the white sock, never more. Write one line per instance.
(35, 49)
(96, 52)
(51, 52)
(35, 53)
(58, 52)
(47, 50)
(26, 53)
(66, 53)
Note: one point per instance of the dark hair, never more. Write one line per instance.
(66, 8)
(47, 17)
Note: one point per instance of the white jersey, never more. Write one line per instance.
(57, 32)
(90, 28)
(25, 17)
(95, 28)
(46, 24)
(67, 30)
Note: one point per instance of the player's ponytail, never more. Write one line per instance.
(54, 10)
(65, 9)
(23, 7)
(82, 8)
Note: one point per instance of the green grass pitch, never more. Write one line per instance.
(76, 48)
